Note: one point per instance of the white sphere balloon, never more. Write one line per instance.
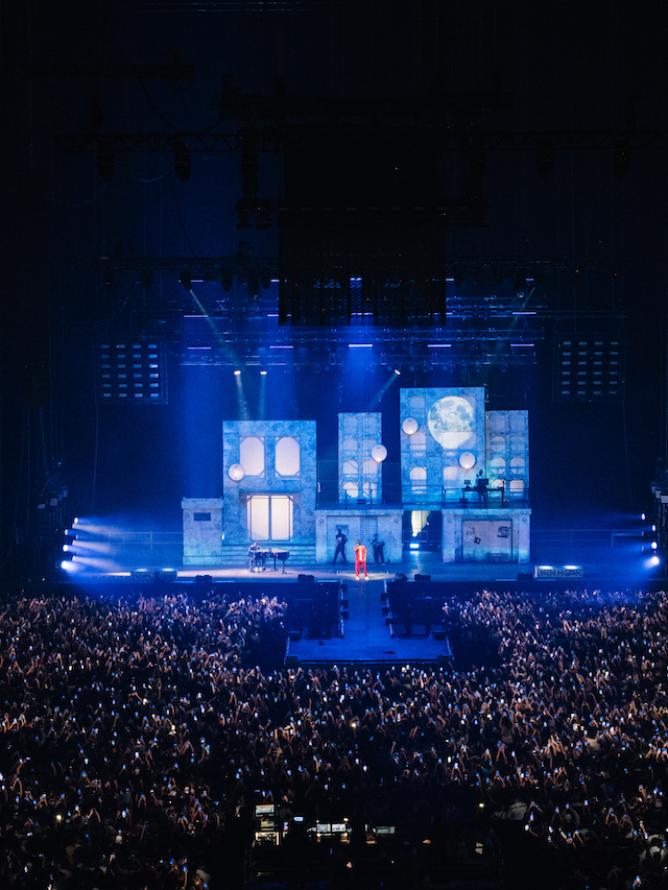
(379, 453)
(467, 460)
(410, 426)
(236, 473)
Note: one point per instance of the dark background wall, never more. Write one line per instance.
(517, 68)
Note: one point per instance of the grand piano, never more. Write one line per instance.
(257, 559)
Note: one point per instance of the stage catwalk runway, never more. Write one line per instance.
(367, 638)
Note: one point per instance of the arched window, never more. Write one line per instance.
(418, 477)
(287, 456)
(251, 455)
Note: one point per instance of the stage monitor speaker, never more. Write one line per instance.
(419, 577)
(143, 575)
(166, 575)
(306, 579)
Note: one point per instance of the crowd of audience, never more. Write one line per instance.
(137, 736)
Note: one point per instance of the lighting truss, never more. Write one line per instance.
(392, 347)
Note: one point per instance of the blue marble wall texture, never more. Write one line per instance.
(448, 444)
(263, 477)
(202, 531)
(486, 535)
(358, 525)
(359, 474)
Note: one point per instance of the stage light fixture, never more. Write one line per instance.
(654, 561)
(643, 517)
(654, 545)
(589, 368)
(397, 372)
(237, 372)
(131, 371)
(263, 373)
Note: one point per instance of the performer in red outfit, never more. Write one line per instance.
(360, 560)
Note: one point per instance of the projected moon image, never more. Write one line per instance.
(451, 421)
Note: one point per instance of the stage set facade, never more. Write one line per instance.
(459, 461)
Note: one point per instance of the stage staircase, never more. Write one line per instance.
(236, 555)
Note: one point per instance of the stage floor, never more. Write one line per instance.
(428, 564)
(366, 638)
(602, 567)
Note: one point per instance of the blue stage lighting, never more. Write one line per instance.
(360, 346)
(654, 561)
(237, 373)
(67, 565)
(654, 545)
(397, 372)
(414, 545)
(643, 517)
(263, 373)
(66, 548)
(75, 521)
(653, 528)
